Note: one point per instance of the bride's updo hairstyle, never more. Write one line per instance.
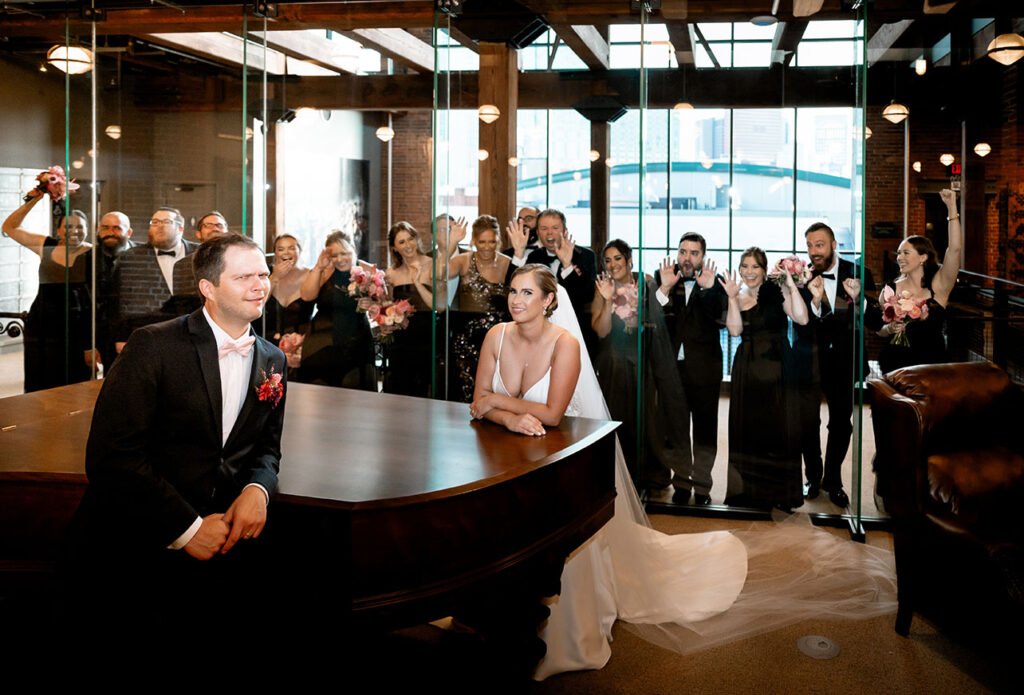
(545, 280)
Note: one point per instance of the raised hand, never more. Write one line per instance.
(852, 287)
(565, 248)
(323, 261)
(817, 289)
(518, 236)
(605, 286)
(282, 268)
(949, 198)
(730, 283)
(668, 274)
(457, 232)
(706, 275)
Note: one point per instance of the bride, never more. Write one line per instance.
(683, 592)
(531, 372)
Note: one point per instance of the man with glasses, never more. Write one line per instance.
(144, 275)
(184, 286)
(526, 220)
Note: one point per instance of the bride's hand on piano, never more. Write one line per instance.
(480, 407)
(525, 424)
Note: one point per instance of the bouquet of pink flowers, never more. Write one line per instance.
(389, 317)
(365, 285)
(795, 268)
(900, 309)
(371, 293)
(291, 346)
(54, 182)
(625, 305)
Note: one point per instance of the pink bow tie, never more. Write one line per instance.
(242, 346)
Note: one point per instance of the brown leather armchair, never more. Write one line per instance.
(949, 440)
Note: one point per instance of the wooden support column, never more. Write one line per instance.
(499, 85)
(600, 186)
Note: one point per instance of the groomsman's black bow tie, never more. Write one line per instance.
(829, 276)
(165, 253)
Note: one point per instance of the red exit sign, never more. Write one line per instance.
(955, 169)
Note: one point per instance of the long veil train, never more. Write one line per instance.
(688, 592)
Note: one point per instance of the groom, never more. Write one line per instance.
(183, 456)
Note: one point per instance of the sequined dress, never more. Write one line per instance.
(480, 305)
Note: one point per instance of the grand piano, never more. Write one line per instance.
(391, 511)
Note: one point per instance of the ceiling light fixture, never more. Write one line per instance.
(513, 161)
(920, 66)
(385, 133)
(113, 132)
(916, 166)
(73, 60)
(482, 154)
(1006, 48)
(895, 113)
(594, 155)
(488, 113)
(947, 159)
(982, 149)
(683, 106)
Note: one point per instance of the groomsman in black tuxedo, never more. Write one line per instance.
(182, 459)
(574, 266)
(695, 305)
(826, 355)
(143, 276)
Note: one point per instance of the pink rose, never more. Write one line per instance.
(914, 312)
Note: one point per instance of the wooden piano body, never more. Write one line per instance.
(390, 511)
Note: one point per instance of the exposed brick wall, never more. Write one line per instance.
(411, 159)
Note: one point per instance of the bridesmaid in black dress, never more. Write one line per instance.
(286, 310)
(413, 276)
(764, 414)
(481, 302)
(339, 348)
(923, 278)
(58, 330)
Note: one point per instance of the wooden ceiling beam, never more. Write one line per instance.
(885, 38)
(787, 37)
(398, 45)
(305, 44)
(587, 43)
(679, 36)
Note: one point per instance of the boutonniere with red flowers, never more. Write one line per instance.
(271, 389)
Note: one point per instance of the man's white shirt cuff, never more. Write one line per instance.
(184, 538)
(660, 296)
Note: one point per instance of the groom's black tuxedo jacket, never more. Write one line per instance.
(154, 458)
(833, 331)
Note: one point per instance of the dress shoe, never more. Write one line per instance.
(701, 500)
(838, 497)
(811, 490)
(681, 496)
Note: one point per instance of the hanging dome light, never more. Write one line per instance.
(947, 159)
(707, 163)
(683, 106)
(916, 166)
(488, 113)
(895, 113)
(513, 161)
(73, 60)
(982, 149)
(1006, 48)
(920, 66)
(867, 132)
(113, 132)
(610, 162)
(594, 155)
(482, 154)
(385, 133)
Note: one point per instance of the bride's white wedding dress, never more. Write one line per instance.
(683, 592)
